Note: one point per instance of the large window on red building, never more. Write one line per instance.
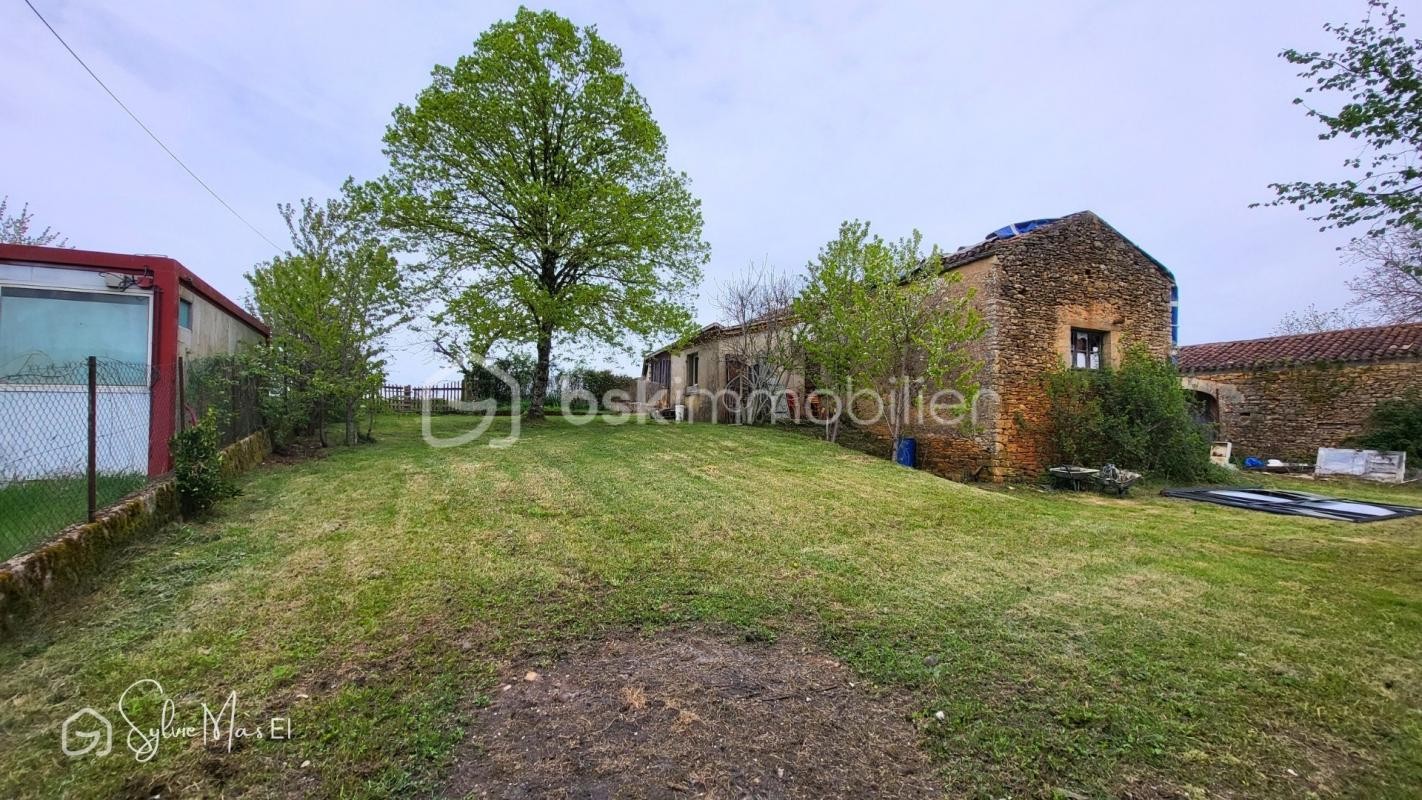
(58, 329)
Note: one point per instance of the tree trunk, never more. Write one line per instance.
(539, 394)
(352, 427)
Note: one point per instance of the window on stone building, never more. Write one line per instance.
(693, 369)
(1087, 348)
(659, 369)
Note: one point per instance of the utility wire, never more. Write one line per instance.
(146, 130)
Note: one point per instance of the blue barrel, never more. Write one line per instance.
(906, 451)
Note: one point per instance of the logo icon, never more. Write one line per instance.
(488, 407)
(87, 731)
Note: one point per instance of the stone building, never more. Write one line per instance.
(696, 372)
(1071, 290)
(1286, 396)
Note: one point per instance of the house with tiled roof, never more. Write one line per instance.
(1067, 290)
(1286, 396)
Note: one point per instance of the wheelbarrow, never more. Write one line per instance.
(1115, 480)
(1071, 477)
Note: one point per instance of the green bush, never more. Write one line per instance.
(1395, 424)
(1137, 416)
(197, 468)
(596, 382)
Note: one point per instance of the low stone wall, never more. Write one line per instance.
(242, 455)
(80, 550)
(1290, 412)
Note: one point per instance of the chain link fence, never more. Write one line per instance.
(223, 387)
(75, 439)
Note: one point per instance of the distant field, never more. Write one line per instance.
(1074, 644)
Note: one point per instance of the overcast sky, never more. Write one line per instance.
(1167, 119)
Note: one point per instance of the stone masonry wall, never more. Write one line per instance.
(1032, 290)
(1290, 412)
(79, 551)
(1079, 273)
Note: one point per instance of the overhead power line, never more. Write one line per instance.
(149, 131)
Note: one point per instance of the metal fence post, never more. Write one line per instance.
(235, 398)
(182, 397)
(93, 437)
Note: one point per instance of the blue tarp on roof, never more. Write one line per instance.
(1009, 231)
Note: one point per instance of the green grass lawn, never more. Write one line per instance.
(32, 511)
(1143, 647)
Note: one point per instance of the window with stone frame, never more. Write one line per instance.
(1088, 348)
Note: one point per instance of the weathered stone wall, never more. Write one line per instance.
(1032, 290)
(80, 550)
(1290, 412)
(1079, 273)
(246, 453)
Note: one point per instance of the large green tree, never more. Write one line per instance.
(1378, 72)
(532, 176)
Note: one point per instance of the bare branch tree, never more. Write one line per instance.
(760, 352)
(16, 229)
(1390, 285)
(1316, 320)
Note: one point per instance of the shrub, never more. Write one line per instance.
(598, 382)
(1074, 417)
(1137, 416)
(197, 468)
(1395, 424)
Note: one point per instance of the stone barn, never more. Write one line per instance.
(1286, 396)
(1071, 290)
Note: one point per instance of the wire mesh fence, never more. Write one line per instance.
(223, 387)
(76, 437)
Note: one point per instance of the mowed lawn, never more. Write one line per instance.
(1143, 647)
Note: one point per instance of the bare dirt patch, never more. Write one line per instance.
(691, 713)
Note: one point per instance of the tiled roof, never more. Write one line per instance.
(1381, 343)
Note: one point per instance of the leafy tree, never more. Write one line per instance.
(1395, 424)
(827, 310)
(15, 229)
(881, 314)
(482, 383)
(597, 383)
(1378, 71)
(916, 330)
(331, 302)
(533, 176)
